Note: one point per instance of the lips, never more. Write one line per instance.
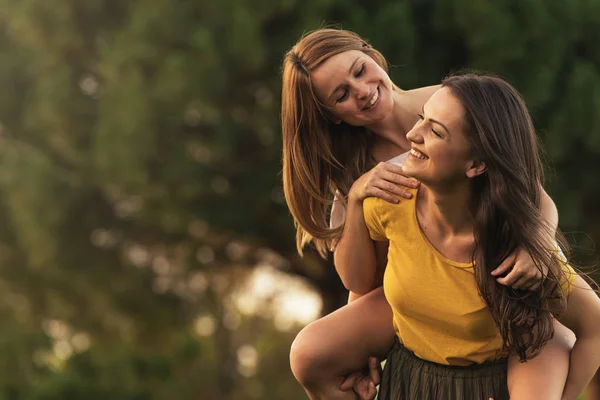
(373, 100)
(418, 154)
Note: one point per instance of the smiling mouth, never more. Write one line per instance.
(373, 100)
(416, 153)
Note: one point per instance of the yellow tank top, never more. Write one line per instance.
(438, 313)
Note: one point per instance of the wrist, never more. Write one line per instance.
(354, 198)
(354, 194)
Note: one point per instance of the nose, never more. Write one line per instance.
(414, 135)
(362, 90)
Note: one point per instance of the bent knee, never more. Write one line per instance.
(563, 339)
(306, 361)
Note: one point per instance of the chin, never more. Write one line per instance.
(382, 113)
(415, 175)
(409, 169)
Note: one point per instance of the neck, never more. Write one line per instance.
(448, 208)
(396, 125)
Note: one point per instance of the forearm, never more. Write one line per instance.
(354, 256)
(585, 360)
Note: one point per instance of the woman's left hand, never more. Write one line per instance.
(524, 274)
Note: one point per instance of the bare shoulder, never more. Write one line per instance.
(423, 94)
(413, 100)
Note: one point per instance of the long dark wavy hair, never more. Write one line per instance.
(506, 210)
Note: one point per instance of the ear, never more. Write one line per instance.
(475, 169)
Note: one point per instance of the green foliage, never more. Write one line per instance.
(140, 155)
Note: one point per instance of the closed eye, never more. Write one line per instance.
(422, 118)
(343, 97)
(361, 71)
(358, 74)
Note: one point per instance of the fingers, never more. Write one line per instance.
(387, 183)
(519, 279)
(524, 274)
(395, 189)
(506, 265)
(372, 392)
(399, 179)
(510, 279)
(531, 283)
(382, 194)
(375, 370)
(522, 283)
(411, 183)
(394, 173)
(386, 191)
(363, 383)
(403, 193)
(365, 389)
(348, 383)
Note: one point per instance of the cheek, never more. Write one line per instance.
(375, 69)
(346, 111)
(451, 159)
(340, 115)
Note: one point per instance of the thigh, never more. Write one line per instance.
(544, 376)
(593, 389)
(342, 341)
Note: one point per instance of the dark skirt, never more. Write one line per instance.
(407, 377)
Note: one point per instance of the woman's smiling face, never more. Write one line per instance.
(440, 152)
(354, 88)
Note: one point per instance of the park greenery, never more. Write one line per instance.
(146, 251)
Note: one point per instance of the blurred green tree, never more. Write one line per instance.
(139, 171)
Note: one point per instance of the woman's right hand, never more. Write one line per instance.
(364, 382)
(383, 181)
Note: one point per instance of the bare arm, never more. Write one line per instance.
(550, 214)
(337, 217)
(355, 256)
(582, 316)
(381, 250)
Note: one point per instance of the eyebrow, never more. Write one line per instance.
(349, 71)
(436, 121)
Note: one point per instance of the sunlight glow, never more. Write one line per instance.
(289, 300)
(247, 358)
(205, 325)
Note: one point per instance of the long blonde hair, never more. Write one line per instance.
(320, 157)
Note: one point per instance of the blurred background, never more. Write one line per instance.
(146, 251)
